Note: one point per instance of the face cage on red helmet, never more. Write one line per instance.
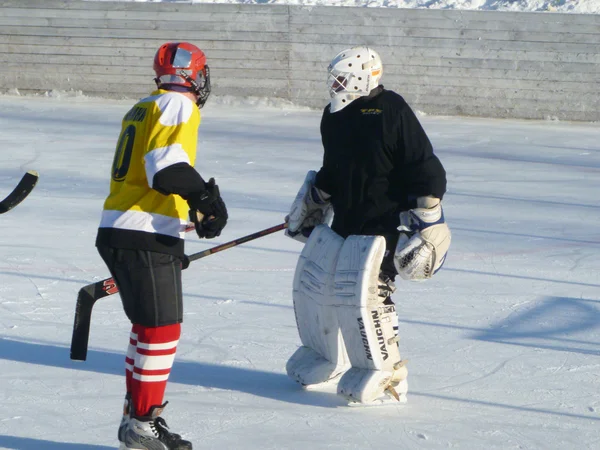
(200, 86)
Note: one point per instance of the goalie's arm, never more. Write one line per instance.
(420, 170)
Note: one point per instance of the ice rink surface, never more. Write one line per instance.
(503, 344)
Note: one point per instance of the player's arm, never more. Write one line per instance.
(169, 169)
(324, 178)
(312, 205)
(207, 209)
(179, 178)
(424, 235)
(422, 172)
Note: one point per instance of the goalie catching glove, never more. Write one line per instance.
(310, 208)
(208, 211)
(424, 240)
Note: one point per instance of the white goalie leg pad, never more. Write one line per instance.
(366, 323)
(323, 355)
(312, 370)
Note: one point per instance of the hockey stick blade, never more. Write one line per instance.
(21, 191)
(90, 294)
(87, 297)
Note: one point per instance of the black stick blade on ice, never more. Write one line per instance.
(87, 297)
(21, 191)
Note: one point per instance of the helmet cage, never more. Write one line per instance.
(337, 81)
(201, 85)
(348, 82)
(349, 78)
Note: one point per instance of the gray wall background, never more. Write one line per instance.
(491, 64)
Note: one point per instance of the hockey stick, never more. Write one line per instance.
(21, 191)
(90, 294)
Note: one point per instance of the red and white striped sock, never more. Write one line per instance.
(130, 357)
(155, 353)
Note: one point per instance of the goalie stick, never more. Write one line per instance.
(90, 294)
(21, 191)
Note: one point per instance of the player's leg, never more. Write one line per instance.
(109, 256)
(367, 323)
(322, 356)
(129, 363)
(150, 288)
(387, 287)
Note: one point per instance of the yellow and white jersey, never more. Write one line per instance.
(157, 132)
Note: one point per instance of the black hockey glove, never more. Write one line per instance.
(208, 211)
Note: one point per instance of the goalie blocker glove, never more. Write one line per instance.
(424, 240)
(208, 211)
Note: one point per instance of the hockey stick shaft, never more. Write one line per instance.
(90, 294)
(237, 242)
(22, 190)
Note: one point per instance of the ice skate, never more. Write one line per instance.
(152, 433)
(125, 419)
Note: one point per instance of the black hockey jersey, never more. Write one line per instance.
(377, 161)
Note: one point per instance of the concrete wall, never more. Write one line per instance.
(494, 64)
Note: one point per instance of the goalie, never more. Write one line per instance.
(383, 185)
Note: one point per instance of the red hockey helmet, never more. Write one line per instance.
(183, 64)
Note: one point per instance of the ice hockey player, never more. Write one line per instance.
(383, 185)
(154, 189)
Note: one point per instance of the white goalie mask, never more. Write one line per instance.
(353, 73)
